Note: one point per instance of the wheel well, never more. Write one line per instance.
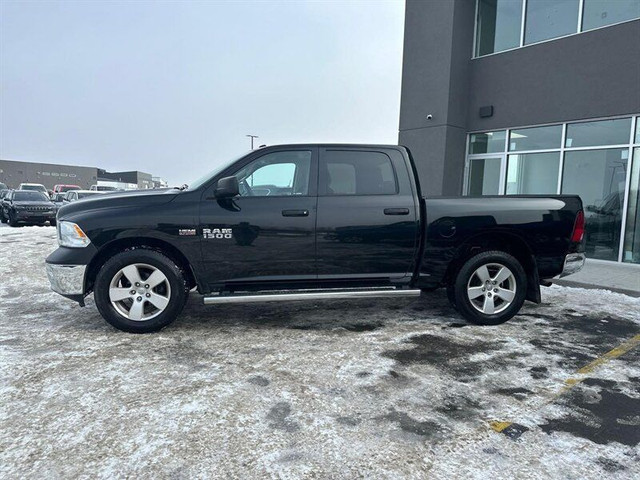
(125, 244)
(505, 242)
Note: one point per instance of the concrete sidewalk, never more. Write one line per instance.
(617, 277)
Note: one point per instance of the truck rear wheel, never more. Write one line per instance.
(490, 288)
(140, 291)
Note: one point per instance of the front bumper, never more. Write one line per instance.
(26, 216)
(66, 279)
(573, 263)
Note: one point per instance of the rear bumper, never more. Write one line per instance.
(573, 263)
(66, 279)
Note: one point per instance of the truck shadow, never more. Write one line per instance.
(354, 315)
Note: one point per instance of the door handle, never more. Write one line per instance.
(396, 211)
(295, 213)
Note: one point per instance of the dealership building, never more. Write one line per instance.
(504, 97)
(13, 173)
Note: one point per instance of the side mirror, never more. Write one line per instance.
(227, 187)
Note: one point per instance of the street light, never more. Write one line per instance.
(252, 137)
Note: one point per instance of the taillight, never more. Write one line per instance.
(578, 228)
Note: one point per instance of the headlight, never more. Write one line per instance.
(71, 235)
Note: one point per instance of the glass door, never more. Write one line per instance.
(485, 175)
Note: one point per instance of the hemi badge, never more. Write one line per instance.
(190, 232)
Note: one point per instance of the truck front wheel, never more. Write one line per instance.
(490, 288)
(140, 291)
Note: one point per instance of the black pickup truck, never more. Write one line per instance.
(291, 222)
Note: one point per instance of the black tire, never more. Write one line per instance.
(504, 309)
(12, 221)
(3, 219)
(179, 290)
(52, 223)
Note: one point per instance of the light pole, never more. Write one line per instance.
(252, 137)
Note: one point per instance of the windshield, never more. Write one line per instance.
(25, 196)
(205, 178)
(69, 188)
(87, 194)
(36, 188)
(102, 188)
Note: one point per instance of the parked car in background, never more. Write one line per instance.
(65, 188)
(74, 195)
(316, 221)
(3, 193)
(34, 187)
(29, 207)
(103, 188)
(3, 186)
(58, 200)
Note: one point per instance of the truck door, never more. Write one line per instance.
(267, 233)
(368, 219)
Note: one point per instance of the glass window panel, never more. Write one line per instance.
(498, 26)
(276, 174)
(599, 177)
(593, 134)
(345, 172)
(484, 176)
(632, 235)
(638, 130)
(489, 142)
(546, 19)
(598, 13)
(533, 173)
(537, 138)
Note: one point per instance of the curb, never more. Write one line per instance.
(591, 286)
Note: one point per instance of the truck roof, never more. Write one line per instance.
(332, 145)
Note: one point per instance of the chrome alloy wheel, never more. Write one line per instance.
(139, 292)
(491, 288)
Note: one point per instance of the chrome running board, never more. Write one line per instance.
(313, 295)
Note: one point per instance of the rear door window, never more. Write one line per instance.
(351, 172)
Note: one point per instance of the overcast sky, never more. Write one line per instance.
(172, 88)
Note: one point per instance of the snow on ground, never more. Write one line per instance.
(392, 388)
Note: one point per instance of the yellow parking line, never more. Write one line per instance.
(570, 382)
(499, 426)
(610, 355)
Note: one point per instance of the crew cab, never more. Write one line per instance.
(311, 221)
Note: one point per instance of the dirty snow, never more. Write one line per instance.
(392, 388)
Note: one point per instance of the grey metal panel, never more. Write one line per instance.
(437, 54)
(426, 64)
(592, 74)
(439, 156)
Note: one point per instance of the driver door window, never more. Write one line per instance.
(276, 174)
